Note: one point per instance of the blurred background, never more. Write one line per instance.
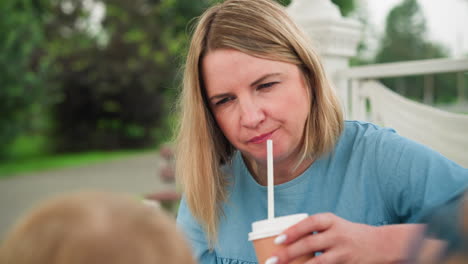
(88, 87)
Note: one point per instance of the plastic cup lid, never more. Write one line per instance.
(272, 227)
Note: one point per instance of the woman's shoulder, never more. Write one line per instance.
(373, 135)
(359, 131)
(385, 145)
(355, 126)
(375, 143)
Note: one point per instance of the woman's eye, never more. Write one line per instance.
(266, 85)
(224, 100)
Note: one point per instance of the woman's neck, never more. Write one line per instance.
(283, 171)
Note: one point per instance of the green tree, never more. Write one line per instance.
(117, 84)
(405, 35)
(114, 85)
(404, 40)
(22, 72)
(346, 6)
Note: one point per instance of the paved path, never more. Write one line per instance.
(135, 175)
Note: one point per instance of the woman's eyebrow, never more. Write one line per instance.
(261, 79)
(256, 82)
(219, 96)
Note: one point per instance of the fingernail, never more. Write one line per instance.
(280, 239)
(272, 260)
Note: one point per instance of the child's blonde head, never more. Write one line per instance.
(95, 228)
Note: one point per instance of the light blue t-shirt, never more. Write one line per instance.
(373, 176)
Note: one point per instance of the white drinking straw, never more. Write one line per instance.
(271, 196)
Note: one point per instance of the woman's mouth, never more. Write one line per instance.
(262, 138)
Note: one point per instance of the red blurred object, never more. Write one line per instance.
(164, 196)
(166, 152)
(167, 173)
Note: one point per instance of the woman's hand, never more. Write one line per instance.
(341, 241)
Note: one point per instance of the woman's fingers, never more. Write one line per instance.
(314, 223)
(306, 245)
(342, 241)
(326, 258)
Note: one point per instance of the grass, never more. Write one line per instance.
(42, 163)
(29, 153)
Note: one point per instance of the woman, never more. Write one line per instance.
(250, 76)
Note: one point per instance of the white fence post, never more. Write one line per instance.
(428, 96)
(336, 38)
(358, 101)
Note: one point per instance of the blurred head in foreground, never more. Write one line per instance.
(95, 228)
(447, 224)
(457, 252)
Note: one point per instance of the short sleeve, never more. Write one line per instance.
(195, 235)
(416, 179)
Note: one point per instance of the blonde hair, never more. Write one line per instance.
(260, 28)
(95, 228)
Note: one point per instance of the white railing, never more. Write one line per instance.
(407, 68)
(357, 75)
(369, 100)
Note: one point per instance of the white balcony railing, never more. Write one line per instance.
(336, 39)
(369, 100)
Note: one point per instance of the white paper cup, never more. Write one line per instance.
(264, 233)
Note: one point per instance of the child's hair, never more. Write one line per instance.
(95, 228)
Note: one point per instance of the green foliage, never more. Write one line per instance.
(21, 69)
(48, 162)
(405, 35)
(117, 86)
(404, 40)
(27, 145)
(284, 2)
(346, 6)
(108, 85)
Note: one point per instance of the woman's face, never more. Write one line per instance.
(255, 99)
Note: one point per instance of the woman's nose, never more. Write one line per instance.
(251, 114)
